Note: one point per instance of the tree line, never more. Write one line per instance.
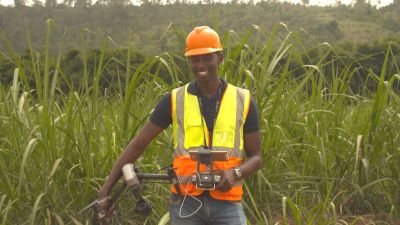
(149, 22)
(88, 3)
(367, 58)
(361, 31)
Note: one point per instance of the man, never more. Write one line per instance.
(207, 113)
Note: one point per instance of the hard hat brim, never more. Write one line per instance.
(201, 51)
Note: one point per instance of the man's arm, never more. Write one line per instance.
(253, 162)
(132, 152)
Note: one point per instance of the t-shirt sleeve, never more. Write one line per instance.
(252, 123)
(161, 115)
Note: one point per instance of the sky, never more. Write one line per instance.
(312, 2)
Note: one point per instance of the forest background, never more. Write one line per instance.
(78, 79)
(156, 27)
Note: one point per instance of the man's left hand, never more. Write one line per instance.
(227, 180)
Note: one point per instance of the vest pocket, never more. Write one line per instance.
(223, 138)
(195, 132)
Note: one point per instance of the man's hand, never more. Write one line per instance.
(104, 205)
(227, 180)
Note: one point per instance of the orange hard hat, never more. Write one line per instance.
(202, 40)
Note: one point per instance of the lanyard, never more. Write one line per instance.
(202, 112)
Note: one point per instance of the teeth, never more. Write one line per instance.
(203, 73)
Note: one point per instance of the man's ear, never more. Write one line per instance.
(220, 57)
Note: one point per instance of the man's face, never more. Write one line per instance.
(205, 67)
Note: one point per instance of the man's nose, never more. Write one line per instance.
(201, 66)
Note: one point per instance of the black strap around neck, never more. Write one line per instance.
(217, 105)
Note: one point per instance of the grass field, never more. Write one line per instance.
(331, 153)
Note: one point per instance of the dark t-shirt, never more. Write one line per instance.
(161, 115)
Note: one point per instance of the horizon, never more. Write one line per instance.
(322, 3)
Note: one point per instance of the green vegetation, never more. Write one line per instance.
(331, 152)
(359, 24)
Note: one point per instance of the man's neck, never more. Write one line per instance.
(209, 88)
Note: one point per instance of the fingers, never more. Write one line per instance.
(110, 211)
(226, 182)
(105, 207)
(225, 185)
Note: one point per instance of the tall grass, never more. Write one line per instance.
(330, 155)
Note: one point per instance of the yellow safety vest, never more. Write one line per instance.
(190, 131)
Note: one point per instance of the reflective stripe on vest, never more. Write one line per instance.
(190, 132)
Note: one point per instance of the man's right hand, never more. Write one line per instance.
(104, 205)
